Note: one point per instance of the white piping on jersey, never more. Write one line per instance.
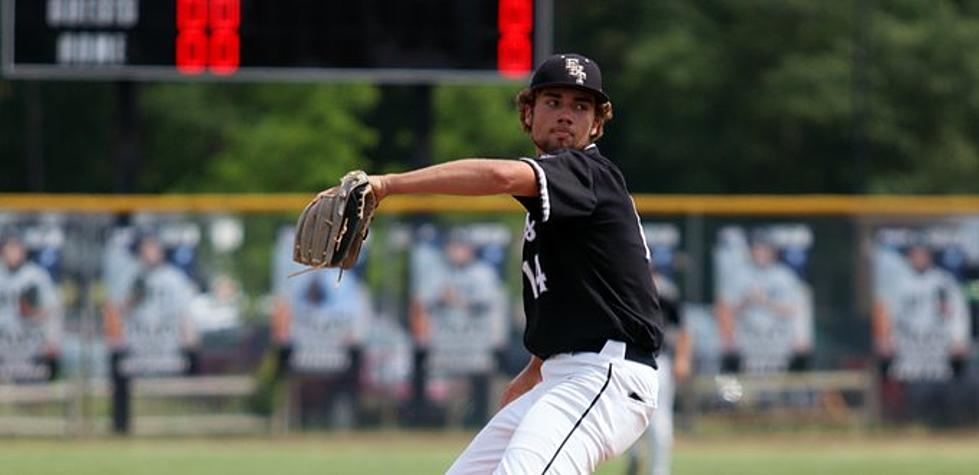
(545, 199)
(642, 232)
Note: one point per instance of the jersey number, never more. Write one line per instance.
(535, 277)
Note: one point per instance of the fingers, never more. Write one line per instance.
(378, 186)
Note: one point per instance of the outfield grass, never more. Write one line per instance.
(406, 453)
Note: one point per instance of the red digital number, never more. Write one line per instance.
(192, 52)
(191, 15)
(207, 36)
(225, 14)
(515, 23)
(224, 52)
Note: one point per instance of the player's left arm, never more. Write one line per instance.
(956, 313)
(468, 177)
(683, 352)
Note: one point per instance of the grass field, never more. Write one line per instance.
(405, 453)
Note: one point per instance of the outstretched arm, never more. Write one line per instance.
(471, 177)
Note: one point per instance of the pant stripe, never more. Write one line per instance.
(608, 378)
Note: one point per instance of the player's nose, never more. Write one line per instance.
(566, 115)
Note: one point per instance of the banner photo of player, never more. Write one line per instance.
(147, 317)
(458, 300)
(763, 301)
(318, 316)
(31, 312)
(921, 321)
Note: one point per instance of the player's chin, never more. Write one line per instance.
(559, 144)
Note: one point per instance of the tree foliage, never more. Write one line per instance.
(790, 95)
(478, 122)
(256, 138)
(711, 96)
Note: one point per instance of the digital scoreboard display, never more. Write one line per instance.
(385, 40)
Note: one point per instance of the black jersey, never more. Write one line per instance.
(585, 260)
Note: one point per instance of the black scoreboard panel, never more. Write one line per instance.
(396, 40)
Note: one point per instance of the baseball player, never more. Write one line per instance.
(675, 361)
(30, 311)
(593, 325)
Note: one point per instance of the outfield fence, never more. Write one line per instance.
(883, 291)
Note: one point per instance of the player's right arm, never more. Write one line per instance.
(523, 382)
(112, 324)
(725, 324)
(469, 177)
(881, 328)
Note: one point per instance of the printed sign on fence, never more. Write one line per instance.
(921, 317)
(458, 295)
(763, 300)
(30, 305)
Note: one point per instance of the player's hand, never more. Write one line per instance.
(757, 297)
(884, 347)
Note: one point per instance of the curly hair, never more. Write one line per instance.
(525, 102)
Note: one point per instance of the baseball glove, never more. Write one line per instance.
(332, 228)
(29, 301)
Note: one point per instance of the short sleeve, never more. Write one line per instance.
(566, 188)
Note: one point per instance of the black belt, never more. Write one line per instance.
(632, 353)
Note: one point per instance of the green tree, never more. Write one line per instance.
(255, 138)
(478, 121)
(924, 98)
(764, 95)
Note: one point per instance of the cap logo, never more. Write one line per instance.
(575, 70)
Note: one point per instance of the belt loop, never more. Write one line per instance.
(614, 349)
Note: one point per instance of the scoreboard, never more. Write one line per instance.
(382, 40)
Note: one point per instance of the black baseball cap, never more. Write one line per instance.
(570, 70)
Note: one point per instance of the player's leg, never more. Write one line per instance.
(661, 428)
(483, 454)
(597, 410)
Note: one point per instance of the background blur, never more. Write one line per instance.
(806, 174)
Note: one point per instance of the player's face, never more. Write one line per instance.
(13, 253)
(151, 252)
(920, 258)
(762, 254)
(562, 117)
(459, 253)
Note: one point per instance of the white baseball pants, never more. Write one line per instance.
(661, 428)
(588, 408)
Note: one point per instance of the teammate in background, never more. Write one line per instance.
(593, 324)
(675, 362)
(760, 315)
(921, 323)
(151, 321)
(30, 311)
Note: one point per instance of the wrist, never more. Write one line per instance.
(379, 185)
